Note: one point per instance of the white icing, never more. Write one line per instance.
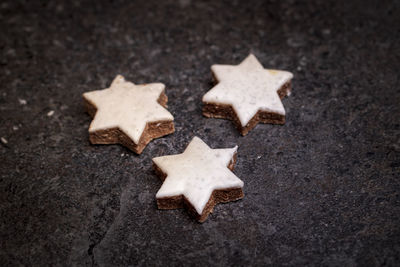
(197, 172)
(127, 106)
(248, 88)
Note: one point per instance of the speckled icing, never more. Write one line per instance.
(128, 107)
(197, 172)
(248, 87)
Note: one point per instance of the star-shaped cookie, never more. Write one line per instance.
(128, 114)
(198, 179)
(247, 94)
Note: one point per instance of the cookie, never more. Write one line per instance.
(128, 114)
(198, 179)
(247, 94)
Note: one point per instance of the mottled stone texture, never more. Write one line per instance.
(321, 190)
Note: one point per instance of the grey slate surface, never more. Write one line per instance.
(322, 190)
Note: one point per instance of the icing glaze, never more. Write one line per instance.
(127, 106)
(248, 88)
(197, 172)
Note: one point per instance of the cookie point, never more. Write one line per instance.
(159, 86)
(85, 94)
(118, 79)
(251, 56)
(156, 160)
(196, 138)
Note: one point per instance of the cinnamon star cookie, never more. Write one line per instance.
(198, 179)
(247, 94)
(128, 114)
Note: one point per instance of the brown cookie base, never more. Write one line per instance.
(217, 196)
(116, 136)
(222, 111)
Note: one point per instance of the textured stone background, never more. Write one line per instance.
(321, 190)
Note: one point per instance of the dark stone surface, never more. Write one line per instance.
(321, 190)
